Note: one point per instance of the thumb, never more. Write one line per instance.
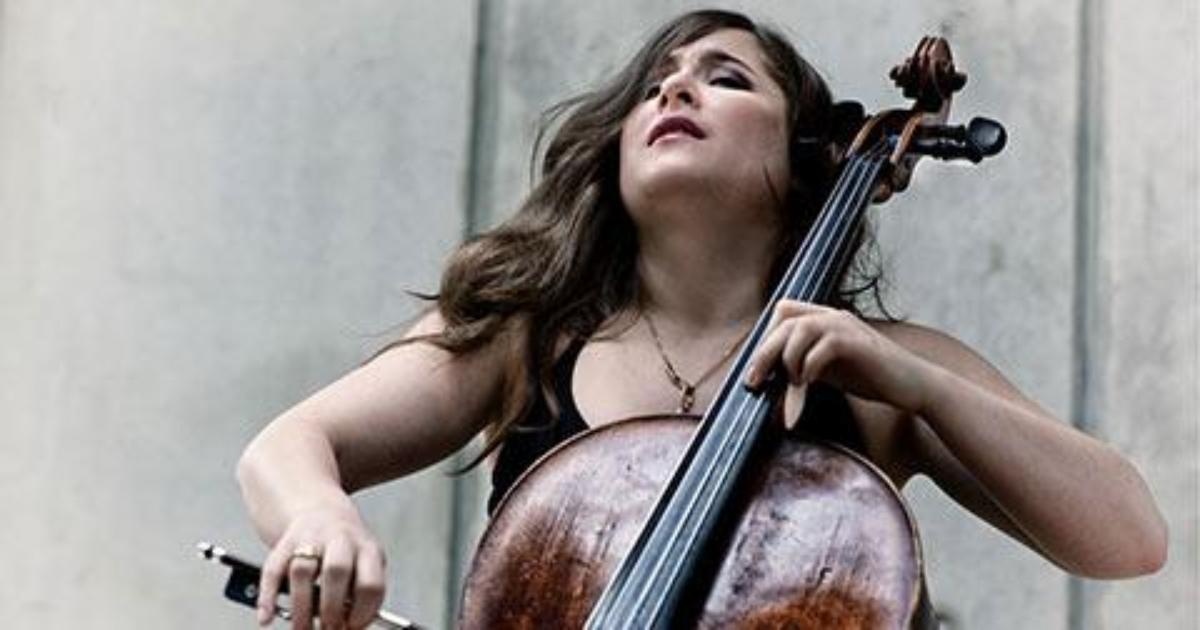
(793, 405)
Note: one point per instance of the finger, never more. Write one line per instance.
(783, 310)
(767, 354)
(369, 585)
(337, 567)
(274, 568)
(765, 358)
(818, 358)
(790, 309)
(302, 573)
(793, 405)
(795, 351)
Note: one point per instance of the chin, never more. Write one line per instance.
(672, 175)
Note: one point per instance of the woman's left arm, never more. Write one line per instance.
(1071, 497)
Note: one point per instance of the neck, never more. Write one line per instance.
(705, 280)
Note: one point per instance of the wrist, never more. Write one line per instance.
(928, 379)
(329, 502)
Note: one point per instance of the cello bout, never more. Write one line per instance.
(821, 541)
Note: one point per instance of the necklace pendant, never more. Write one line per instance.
(687, 398)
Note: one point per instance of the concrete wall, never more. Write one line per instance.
(207, 210)
(1144, 269)
(207, 213)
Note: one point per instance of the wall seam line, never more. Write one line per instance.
(476, 182)
(1084, 406)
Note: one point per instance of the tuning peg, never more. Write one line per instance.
(978, 139)
(987, 136)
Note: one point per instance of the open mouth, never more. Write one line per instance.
(674, 125)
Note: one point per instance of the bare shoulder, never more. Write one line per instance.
(419, 356)
(928, 343)
(462, 386)
(410, 405)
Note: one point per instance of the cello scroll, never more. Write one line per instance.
(930, 78)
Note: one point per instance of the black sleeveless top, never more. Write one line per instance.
(541, 431)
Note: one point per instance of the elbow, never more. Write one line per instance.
(244, 469)
(246, 472)
(1143, 553)
(1142, 531)
(1148, 537)
(1152, 556)
(1148, 558)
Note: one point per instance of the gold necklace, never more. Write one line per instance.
(687, 391)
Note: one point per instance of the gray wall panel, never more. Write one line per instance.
(1148, 234)
(208, 211)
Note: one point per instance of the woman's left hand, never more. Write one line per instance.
(811, 342)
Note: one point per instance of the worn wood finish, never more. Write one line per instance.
(823, 542)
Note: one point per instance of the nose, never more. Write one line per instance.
(676, 88)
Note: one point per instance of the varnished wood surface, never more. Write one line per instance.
(824, 543)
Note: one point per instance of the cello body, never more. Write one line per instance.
(821, 539)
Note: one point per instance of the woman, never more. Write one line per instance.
(667, 203)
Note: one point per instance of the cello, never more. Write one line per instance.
(666, 521)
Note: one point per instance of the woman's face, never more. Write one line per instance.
(712, 122)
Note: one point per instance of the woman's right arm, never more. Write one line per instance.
(406, 409)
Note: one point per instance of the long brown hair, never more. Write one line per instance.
(564, 263)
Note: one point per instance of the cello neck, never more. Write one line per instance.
(822, 255)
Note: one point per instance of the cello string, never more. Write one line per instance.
(688, 488)
(655, 546)
(744, 426)
(844, 228)
(842, 220)
(757, 401)
(721, 463)
(728, 460)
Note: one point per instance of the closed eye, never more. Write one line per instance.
(731, 81)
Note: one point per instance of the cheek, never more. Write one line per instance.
(631, 155)
(625, 156)
(626, 146)
(772, 134)
(763, 143)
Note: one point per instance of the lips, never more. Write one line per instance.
(674, 124)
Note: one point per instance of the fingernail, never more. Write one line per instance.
(264, 615)
(752, 376)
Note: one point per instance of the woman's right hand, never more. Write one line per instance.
(334, 546)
